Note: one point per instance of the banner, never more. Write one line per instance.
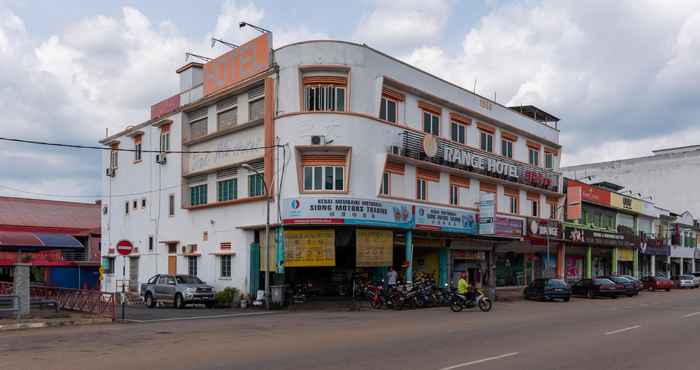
(625, 254)
(273, 251)
(447, 220)
(374, 248)
(348, 211)
(307, 248)
(487, 213)
(508, 227)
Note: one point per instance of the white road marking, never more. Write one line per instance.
(623, 330)
(481, 361)
(691, 314)
(201, 317)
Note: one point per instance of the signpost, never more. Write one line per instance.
(124, 247)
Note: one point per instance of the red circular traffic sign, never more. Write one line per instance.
(124, 247)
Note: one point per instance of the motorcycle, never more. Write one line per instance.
(458, 302)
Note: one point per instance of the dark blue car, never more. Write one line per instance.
(548, 290)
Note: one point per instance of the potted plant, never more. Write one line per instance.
(225, 298)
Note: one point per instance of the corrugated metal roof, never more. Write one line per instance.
(48, 213)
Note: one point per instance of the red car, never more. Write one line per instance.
(652, 283)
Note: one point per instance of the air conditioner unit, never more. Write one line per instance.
(318, 140)
(190, 249)
(111, 172)
(184, 249)
(160, 158)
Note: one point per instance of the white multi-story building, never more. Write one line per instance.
(369, 161)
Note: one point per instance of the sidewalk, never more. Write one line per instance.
(47, 318)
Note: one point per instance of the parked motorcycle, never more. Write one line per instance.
(458, 302)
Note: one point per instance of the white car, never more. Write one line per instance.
(685, 281)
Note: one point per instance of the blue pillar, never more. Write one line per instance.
(280, 250)
(443, 267)
(254, 269)
(409, 256)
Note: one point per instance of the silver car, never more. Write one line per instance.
(684, 281)
(177, 289)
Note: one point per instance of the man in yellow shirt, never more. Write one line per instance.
(463, 284)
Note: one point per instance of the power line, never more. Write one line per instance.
(76, 146)
(88, 196)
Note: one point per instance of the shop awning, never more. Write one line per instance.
(23, 239)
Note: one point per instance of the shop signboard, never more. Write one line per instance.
(625, 254)
(508, 227)
(599, 237)
(487, 213)
(444, 219)
(469, 255)
(374, 248)
(590, 193)
(348, 211)
(238, 64)
(543, 228)
(309, 248)
(627, 203)
(574, 203)
(273, 252)
(653, 247)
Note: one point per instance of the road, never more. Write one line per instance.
(657, 330)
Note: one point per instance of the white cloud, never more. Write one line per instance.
(396, 24)
(621, 75)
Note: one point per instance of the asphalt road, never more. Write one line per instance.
(657, 330)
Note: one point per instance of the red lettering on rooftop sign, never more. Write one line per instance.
(591, 193)
(166, 106)
(238, 64)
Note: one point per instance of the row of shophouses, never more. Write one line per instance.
(365, 162)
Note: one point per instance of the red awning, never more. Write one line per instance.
(23, 239)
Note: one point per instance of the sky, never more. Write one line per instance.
(622, 75)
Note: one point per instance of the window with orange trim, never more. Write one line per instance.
(507, 148)
(454, 194)
(389, 109)
(421, 189)
(534, 202)
(486, 141)
(534, 156)
(325, 93)
(549, 160)
(458, 132)
(431, 123)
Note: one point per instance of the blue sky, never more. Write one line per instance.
(622, 75)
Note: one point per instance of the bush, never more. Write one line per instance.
(226, 297)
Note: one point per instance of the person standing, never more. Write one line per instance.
(391, 277)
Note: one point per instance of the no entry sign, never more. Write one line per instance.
(124, 247)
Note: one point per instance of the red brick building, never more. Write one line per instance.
(60, 239)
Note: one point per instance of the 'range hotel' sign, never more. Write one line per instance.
(430, 148)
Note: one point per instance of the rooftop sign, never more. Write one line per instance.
(238, 64)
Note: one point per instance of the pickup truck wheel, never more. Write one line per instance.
(179, 302)
(150, 302)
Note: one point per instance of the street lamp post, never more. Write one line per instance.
(267, 235)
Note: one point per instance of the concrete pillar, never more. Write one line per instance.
(409, 256)
(492, 273)
(668, 266)
(635, 263)
(613, 258)
(589, 262)
(653, 265)
(21, 286)
(561, 261)
(680, 271)
(692, 265)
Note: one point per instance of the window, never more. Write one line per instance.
(329, 178)
(126, 207)
(553, 212)
(507, 148)
(548, 160)
(256, 186)
(454, 195)
(105, 210)
(198, 128)
(431, 123)
(114, 158)
(225, 266)
(171, 205)
(137, 152)
(108, 265)
(386, 184)
(164, 141)
(458, 132)
(172, 248)
(192, 265)
(136, 204)
(421, 189)
(325, 98)
(486, 141)
(198, 195)
(534, 155)
(150, 242)
(512, 203)
(534, 207)
(227, 190)
(388, 109)
(256, 109)
(143, 202)
(227, 119)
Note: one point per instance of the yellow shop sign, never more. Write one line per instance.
(309, 248)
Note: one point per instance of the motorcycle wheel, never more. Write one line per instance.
(376, 304)
(456, 306)
(485, 305)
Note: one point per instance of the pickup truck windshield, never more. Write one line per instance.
(186, 279)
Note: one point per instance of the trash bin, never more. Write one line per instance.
(277, 293)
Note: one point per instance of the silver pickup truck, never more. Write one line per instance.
(177, 289)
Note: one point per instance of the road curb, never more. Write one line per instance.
(53, 324)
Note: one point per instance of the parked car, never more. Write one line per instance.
(684, 281)
(177, 289)
(697, 277)
(547, 290)
(652, 283)
(597, 287)
(631, 287)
